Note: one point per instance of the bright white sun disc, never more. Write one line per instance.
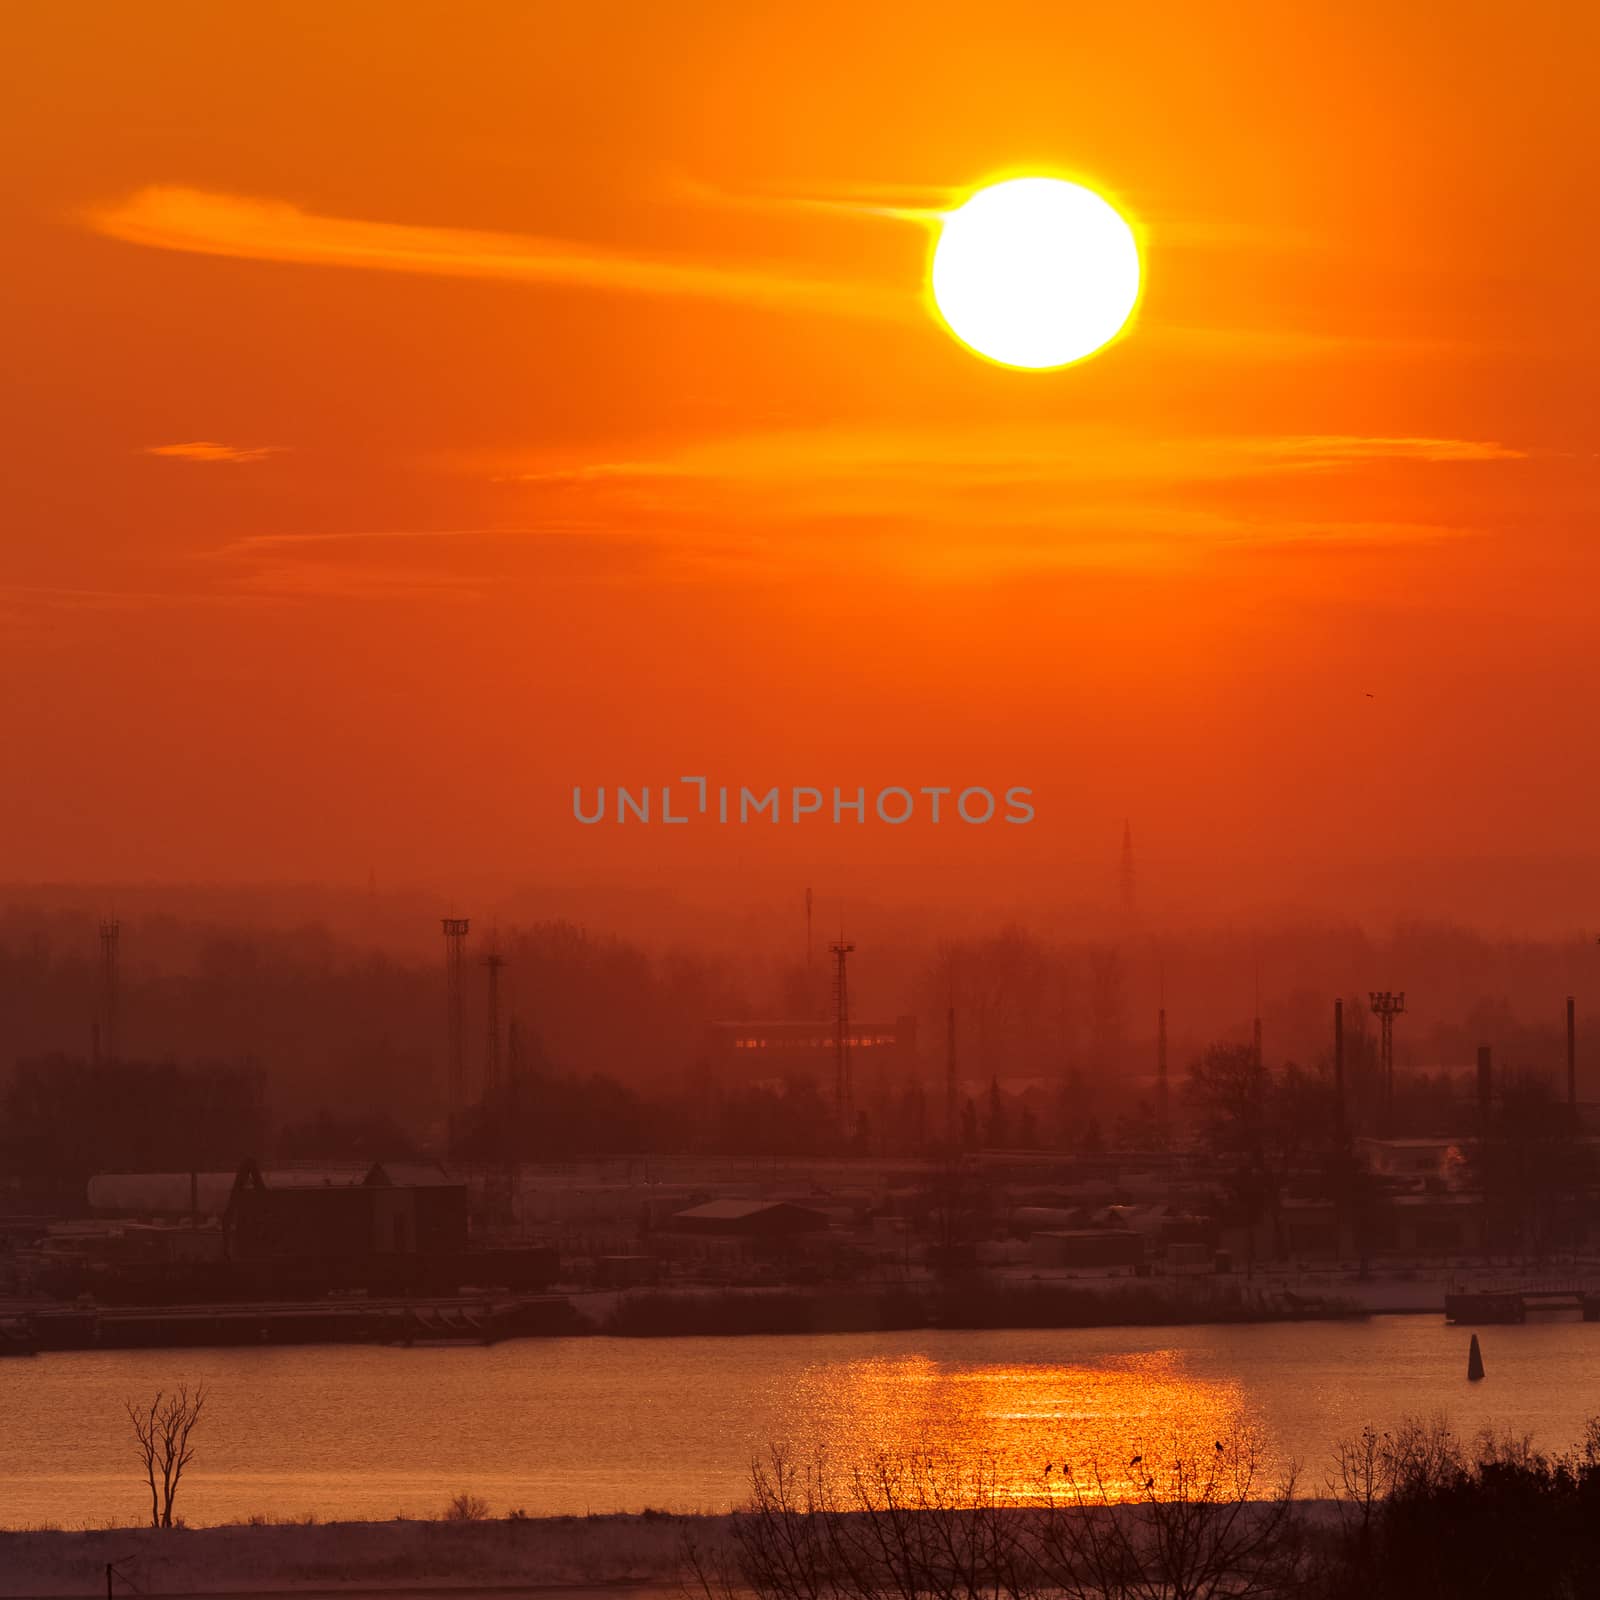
(1035, 272)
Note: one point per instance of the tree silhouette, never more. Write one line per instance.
(162, 1430)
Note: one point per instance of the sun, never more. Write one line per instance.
(1035, 272)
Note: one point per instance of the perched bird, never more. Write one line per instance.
(1136, 1460)
(1219, 1444)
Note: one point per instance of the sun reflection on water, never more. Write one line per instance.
(1016, 1418)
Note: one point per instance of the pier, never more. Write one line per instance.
(1504, 1305)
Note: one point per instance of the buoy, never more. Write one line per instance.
(1474, 1362)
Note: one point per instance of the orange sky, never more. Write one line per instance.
(414, 410)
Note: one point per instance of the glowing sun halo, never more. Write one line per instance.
(1035, 272)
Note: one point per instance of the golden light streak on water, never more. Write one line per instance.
(1019, 1418)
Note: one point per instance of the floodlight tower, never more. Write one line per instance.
(110, 943)
(841, 951)
(455, 939)
(1386, 1007)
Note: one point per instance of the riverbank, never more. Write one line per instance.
(563, 1553)
(984, 1304)
(977, 1303)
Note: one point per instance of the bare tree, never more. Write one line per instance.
(1196, 1524)
(1192, 1522)
(1418, 1457)
(914, 1527)
(162, 1431)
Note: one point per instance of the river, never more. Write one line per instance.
(568, 1426)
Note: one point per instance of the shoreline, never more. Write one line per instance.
(978, 1306)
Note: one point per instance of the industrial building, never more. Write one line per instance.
(750, 1219)
(398, 1228)
(770, 1052)
(392, 1229)
(730, 1232)
(1095, 1248)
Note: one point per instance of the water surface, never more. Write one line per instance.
(567, 1426)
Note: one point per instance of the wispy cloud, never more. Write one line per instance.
(257, 543)
(456, 564)
(1014, 455)
(903, 203)
(243, 227)
(1338, 449)
(210, 450)
(970, 500)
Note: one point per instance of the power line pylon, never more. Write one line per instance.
(1386, 1007)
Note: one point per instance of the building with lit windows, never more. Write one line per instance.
(777, 1052)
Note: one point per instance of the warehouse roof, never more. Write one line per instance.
(736, 1215)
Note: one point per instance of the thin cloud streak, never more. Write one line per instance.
(1333, 450)
(241, 227)
(457, 564)
(930, 207)
(253, 543)
(250, 228)
(1045, 498)
(208, 450)
(1012, 455)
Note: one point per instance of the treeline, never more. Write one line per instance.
(1280, 1133)
(61, 1121)
(1054, 1036)
(338, 1028)
(1273, 1133)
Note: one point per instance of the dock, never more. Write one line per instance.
(1510, 1305)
